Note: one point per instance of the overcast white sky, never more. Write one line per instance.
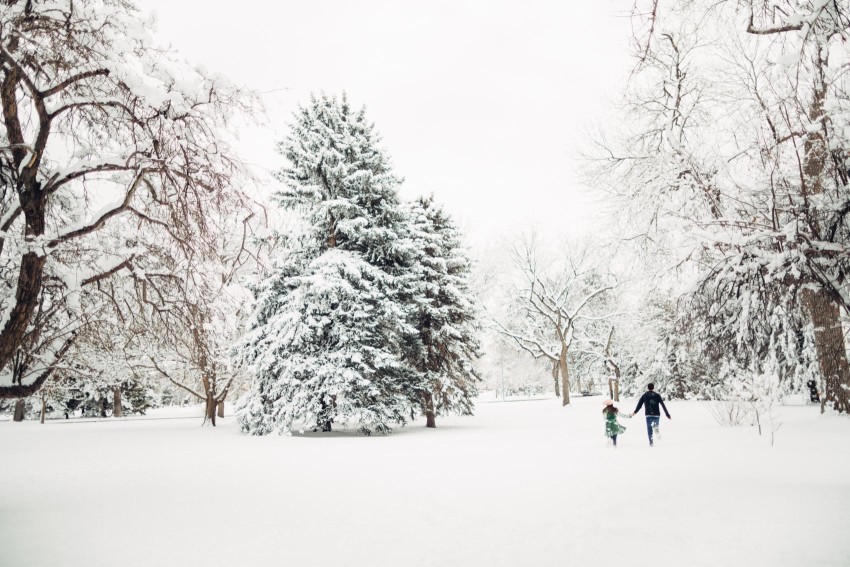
(482, 103)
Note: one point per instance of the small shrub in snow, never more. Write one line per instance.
(729, 412)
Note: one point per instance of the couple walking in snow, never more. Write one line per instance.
(651, 400)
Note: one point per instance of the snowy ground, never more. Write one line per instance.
(522, 483)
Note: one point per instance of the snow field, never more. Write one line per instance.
(521, 483)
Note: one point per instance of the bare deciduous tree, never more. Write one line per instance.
(738, 162)
(554, 297)
(101, 129)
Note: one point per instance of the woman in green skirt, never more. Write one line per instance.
(612, 427)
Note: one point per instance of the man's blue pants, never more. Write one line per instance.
(652, 426)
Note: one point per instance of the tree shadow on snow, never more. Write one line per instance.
(413, 429)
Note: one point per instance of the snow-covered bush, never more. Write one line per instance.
(730, 412)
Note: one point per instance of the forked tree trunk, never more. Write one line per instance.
(117, 408)
(829, 344)
(33, 201)
(19, 410)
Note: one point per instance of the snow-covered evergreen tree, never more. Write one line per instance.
(445, 314)
(342, 180)
(330, 330)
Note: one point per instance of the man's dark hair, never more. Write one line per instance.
(650, 386)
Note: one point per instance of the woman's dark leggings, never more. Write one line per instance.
(614, 439)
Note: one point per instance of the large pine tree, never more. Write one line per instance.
(444, 314)
(330, 335)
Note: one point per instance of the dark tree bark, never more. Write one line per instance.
(33, 203)
(613, 383)
(19, 410)
(430, 414)
(614, 389)
(18, 390)
(832, 354)
(117, 407)
(823, 309)
(324, 420)
(221, 408)
(565, 377)
(210, 409)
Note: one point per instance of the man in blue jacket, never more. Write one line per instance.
(652, 400)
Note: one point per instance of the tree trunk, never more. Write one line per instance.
(430, 415)
(19, 410)
(117, 408)
(616, 386)
(324, 420)
(825, 313)
(565, 378)
(555, 379)
(32, 202)
(43, 406)
(221, 408)
(613, 383)
(829, 343)
(210, 410)
(430, 419)
(26, 298)
(679, 384)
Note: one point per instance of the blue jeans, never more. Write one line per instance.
(652, 426)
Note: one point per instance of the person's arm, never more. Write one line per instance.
(640, 404)
(667, 413)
